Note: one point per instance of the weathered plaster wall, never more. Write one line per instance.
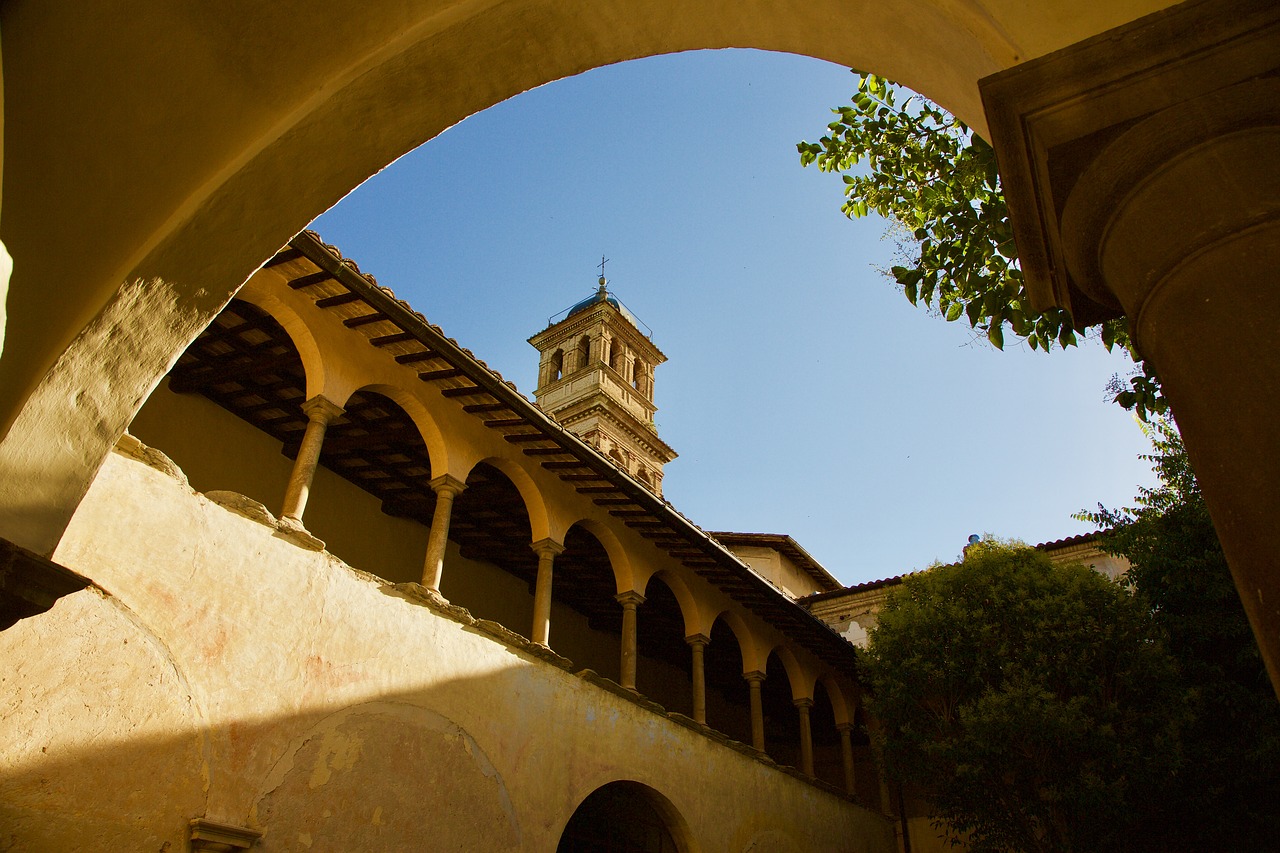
(225, 672)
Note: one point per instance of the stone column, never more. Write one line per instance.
(754, 680)
(546, 549)
(846, 756)
(446, 488)
(1190, 246)
(320, 413)
(806, 734)
(629, 601)
(1142, 172)
(697, 648)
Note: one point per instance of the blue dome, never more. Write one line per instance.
(602, 296)
(593, 300)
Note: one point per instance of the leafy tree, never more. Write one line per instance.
(1227, 793)
(1032, 704)
(927, 171)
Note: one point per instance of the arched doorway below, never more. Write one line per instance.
(622, 817)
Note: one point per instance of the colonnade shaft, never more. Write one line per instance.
(806, 735)
(629, 601)
(546, 549)
(320, 413)
(846, 756)
(754, 682)
(697, 651)
(447, 488)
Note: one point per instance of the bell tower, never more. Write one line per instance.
(595, 377)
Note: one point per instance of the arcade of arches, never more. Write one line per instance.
(154, 158)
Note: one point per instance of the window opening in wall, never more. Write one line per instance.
(557, 365)
(584, 352)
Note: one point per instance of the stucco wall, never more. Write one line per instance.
(225, 672)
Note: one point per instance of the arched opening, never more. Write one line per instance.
(586, 620)
(584, 352)
(664, 671)
(827, 762)
(230, 415)
(375, 446)
(624, 817)
(229, 404)
(617, 353)
(728, 695)
(638, 373)
(557, 366)
(489, 566)
(781, 720)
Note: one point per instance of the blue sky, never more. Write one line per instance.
(803, 393)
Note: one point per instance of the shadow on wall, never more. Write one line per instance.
(110, 748)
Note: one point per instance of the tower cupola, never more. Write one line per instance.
(595, 377)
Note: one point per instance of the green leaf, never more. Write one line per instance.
(995, 334)
(954, 310)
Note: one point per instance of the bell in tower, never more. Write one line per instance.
(595, 377)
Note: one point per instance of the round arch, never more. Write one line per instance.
(534, 504)
(432, 436)
(630, 817)
(689, 609)
(748, 646)
(175, 209)
(835, 693)
(296, 328)
(619, 561)
(800, 680)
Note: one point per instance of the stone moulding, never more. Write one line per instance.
(207, 835)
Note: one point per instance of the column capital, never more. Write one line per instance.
(629, 598)
(755, 676)
(698, 640)
(845, 727)
(447, 483)
(321, 408)
(803, 702)
(547, 548)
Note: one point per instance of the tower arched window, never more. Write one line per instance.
(584, 352)
(640, 376)
(615, 355)
(556, 369)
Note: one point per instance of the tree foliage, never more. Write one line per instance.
(926, 170)
(1032, 704)
(1227, 793)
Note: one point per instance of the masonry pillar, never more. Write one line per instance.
(320, 413)
(754, 680)
(697, 649)
(447, 488)
(629, 601)
(547, 550)
(1142, 171)
(806, 734)
(846, 757)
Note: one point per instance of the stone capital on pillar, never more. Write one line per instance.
(447, 483)
(547, 547)
(845, 727)
(755, 676)
(322, 409)
(1141, 168)
(630, 597)
(698, 640)
(803, 702)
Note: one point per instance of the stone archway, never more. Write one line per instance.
(157, 155)
(624, 817)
